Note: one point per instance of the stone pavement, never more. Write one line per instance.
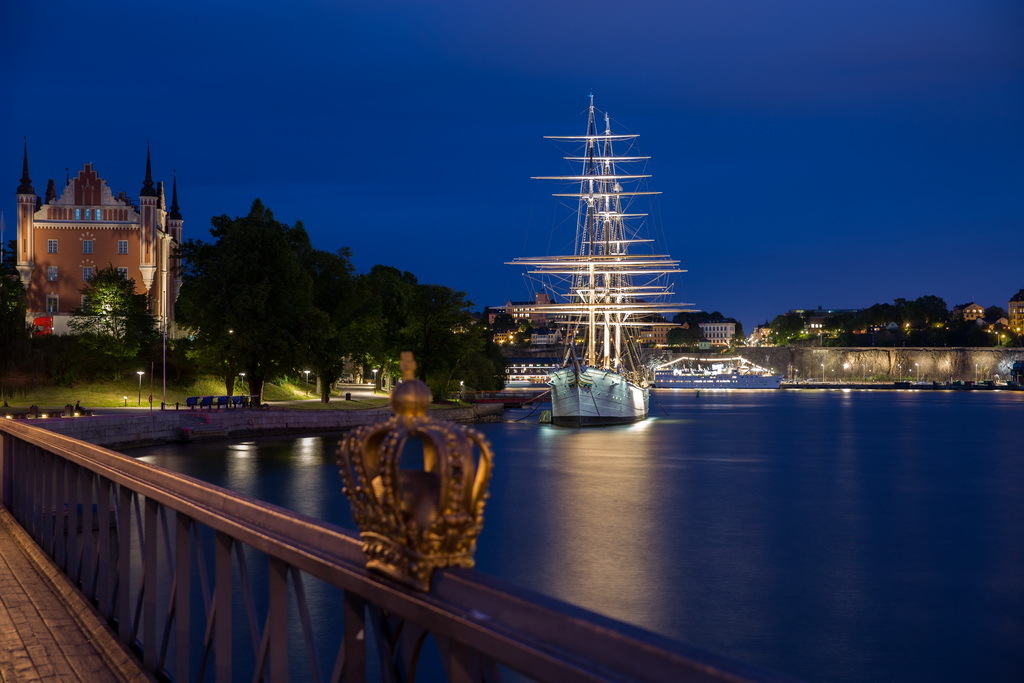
(48, 631)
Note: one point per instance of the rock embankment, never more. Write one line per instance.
(128, 430)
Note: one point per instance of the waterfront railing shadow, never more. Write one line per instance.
(203, 583)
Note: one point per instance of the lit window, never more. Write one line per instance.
(51, 303)
(51, 273)
(86, 246)
(122, 246)
(123, 272)
(99, 214)
(51, 246)
(87, 273)
(88, 214)
(78, 214)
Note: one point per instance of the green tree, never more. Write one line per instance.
(245, 298)
(785, 328)
(114, 319)
(373, 334)
(13, 330)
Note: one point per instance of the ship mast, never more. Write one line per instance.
(607, 292)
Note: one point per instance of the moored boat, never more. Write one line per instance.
(714, 373)
(611, 287)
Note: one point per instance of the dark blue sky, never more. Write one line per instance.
(809, 153)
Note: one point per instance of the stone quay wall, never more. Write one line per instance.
(126, 430)
(929, 364)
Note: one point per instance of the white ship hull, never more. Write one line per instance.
(590, 398)
(725, 380)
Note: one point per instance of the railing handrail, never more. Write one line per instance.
(536, 635)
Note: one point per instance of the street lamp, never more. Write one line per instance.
(822, 373)
(307, 381)
(375, 379)
(917, 371)
(140, 373)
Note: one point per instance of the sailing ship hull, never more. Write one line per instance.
(592, 398)
(725, 380)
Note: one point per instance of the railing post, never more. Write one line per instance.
(277, 621)
(354, 646)
(6, 470)
(150, 574)
(124, 563)
(183, 595)
(222, 607)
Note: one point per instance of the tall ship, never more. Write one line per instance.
(609, 289)
(714, 372)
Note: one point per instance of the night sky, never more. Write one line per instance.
(809, 153)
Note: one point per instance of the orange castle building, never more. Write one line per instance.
(63, 240)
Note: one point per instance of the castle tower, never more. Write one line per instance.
(149, 200)
(26, 213)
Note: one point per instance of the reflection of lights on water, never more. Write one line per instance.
(243, 449)
(308, 449)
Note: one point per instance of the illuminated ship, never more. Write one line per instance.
(610, 288)
(714, 373)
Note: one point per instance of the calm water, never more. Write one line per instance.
(861, 536)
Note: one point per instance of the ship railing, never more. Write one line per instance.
(204, 583)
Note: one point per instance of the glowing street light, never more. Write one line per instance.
(140, 373)
(307, 381)
(822, 373)
(375, 379)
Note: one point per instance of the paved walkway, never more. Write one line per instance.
(48, 632)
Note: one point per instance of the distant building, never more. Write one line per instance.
(718, 333)
(658, 335)
(543, 336)
(528, 310)
(63, 240)
(760, 335)
(971, 311)
(1015, 312)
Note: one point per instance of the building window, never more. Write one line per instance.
(51, 246)
(122, 246)
(51, 303)
(99, 214)
(78, 214)
(86, 246)
(86, 274)
(123, 272)
(88, 214)
(51, 273)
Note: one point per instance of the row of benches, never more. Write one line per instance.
(218, 402)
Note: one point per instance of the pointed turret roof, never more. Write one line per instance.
(26, 182)
(147, 186)
(175, 214)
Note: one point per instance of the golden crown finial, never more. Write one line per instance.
(413, 521)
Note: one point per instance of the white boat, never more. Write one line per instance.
(610, 288)
(714, 373)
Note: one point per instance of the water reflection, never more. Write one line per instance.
(842, 536)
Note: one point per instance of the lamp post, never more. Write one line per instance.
(917, 371)
(242, 375)
(822, 373)
(307, 381)
(375, 380)
(140, 373)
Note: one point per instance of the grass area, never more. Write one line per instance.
(128, 391)
(125, 392)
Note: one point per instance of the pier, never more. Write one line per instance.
(167, 569)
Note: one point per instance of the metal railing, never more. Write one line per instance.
(204, 583)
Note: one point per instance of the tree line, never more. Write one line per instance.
(259, 302)
(925, 321)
